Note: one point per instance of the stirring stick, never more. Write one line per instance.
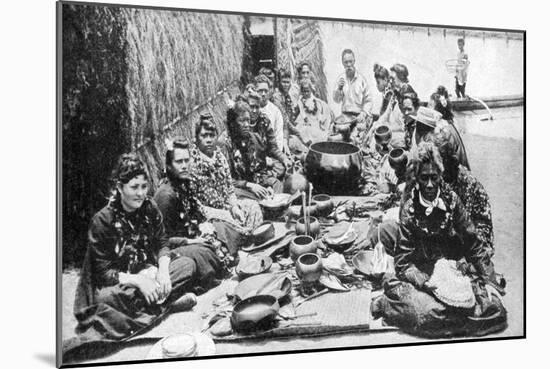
(304, 207)
(309, 209)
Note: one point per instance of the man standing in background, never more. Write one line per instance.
(461, 70)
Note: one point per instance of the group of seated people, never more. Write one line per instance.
(144, 253)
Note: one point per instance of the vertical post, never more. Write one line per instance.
(275, 46)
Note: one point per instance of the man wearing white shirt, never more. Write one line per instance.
(352, 91)
(263, 88)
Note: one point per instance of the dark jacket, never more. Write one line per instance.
(119, 242)
(442, 234)
(180, 209)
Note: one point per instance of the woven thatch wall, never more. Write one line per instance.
(178, 62)
(132, 77)
(94, 114)
(299, 40)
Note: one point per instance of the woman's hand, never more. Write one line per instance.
(258, 190)
(237, 213)
(163, 279)
(148, 287)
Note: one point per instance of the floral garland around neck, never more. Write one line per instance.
(308, 105)
(439, 221)
(190, 210)
(248, 164)
(197, 224)
(133, 246)
(291, 110)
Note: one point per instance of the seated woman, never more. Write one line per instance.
(188, 230)
(248, 143)
(384, 86)
(434, 231)
(130, 275)
(304, 71)
(312, 122)
(439, 101)
(401, 105)
(472, 194)
(212, 177)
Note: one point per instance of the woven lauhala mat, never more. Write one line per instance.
(337, 313)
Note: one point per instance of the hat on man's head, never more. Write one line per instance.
(427, 116)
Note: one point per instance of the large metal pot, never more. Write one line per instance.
(334, 167)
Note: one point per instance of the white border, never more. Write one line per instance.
(28, 181)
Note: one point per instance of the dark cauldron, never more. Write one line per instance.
(334, 167)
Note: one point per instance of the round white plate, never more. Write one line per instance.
(205, 347)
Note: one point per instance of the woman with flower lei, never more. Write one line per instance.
(215, 188)
(257, 165)
(128, 279)
(188, 229)
(313, 120)
(434, 226)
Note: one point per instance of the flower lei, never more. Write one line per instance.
(190, 209)
(246, 159)
(432, 224)
(133, 245)
(310, 110)
(197, 224)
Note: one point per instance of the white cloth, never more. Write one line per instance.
(431, 205)
(276, 118)
(462, 74)
(312, 127)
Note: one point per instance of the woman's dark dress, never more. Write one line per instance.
(424, 239)
(123, 242)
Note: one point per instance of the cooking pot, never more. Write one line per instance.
(324, 204)
(334, 167)
(255, 313)
(301, 245)
(314, 227)
(309, 267)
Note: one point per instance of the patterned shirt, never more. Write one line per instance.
(476, 202)
(213, 179)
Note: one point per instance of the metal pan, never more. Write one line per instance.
(255, 313)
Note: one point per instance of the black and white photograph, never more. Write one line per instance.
(238, 183)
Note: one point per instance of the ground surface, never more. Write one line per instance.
(495, 150)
